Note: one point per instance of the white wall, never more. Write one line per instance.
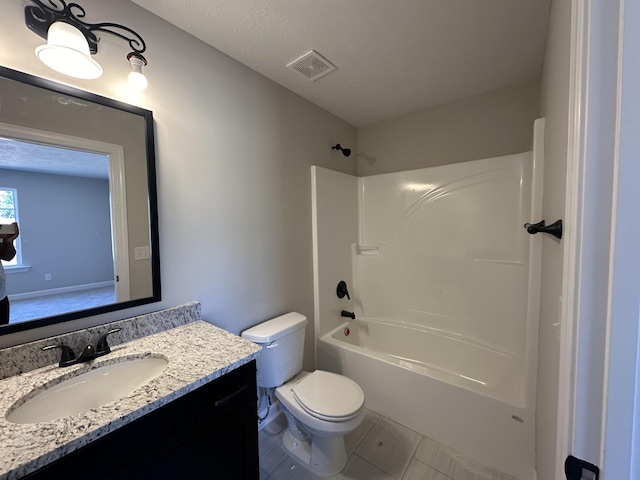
(600, 346)
(622, 441)
(233, 157)
(335, 218)
(554, 107)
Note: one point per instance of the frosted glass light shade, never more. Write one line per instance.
(67, 52)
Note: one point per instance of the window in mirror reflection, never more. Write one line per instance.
(8, 215)
(65, 229)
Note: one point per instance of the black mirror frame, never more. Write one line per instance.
(152, 199)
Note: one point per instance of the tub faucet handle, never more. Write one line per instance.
(350, 315)
(341, 290)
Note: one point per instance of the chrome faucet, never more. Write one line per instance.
(89, 352)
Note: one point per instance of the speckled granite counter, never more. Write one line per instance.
(198, 352)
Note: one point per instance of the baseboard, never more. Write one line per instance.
(56, 291)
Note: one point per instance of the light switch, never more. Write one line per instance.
(142, 253)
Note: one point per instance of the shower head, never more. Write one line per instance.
(345, 151)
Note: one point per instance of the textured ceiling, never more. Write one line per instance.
(33, 157)
(392, 56)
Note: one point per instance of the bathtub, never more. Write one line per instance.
(462, 394)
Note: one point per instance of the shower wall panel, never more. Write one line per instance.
(445, 248)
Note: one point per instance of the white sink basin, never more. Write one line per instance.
(88, 390)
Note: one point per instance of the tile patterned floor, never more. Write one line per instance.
(379, 449)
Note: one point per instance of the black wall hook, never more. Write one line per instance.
(554, 229)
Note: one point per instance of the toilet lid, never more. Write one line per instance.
(328, 395)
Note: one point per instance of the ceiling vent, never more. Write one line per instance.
(312, 66)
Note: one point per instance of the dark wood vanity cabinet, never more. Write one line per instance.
(210, 433)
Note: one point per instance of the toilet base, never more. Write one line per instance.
(324, 456)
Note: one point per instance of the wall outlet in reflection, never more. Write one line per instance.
(142, 253)
(47, 276)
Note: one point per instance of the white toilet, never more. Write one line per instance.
(320, 407)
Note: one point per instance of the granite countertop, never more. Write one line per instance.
(197, 352)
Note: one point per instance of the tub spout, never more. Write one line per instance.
(351, 315)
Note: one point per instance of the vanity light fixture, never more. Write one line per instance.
(71, 41)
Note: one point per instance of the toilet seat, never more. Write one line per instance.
(329, 396)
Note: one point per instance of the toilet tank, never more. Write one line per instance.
(282, 342)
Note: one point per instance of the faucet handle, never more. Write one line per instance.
(102, 347)
(67, 358)
(341, 290)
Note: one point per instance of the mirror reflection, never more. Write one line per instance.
(77, 174)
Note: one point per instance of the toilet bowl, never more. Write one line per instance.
(321, 408)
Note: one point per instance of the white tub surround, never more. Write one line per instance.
(461, 395)
(427, 352)
(447, 279)
(197, 352)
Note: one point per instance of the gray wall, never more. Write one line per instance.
(234, 152)
(64, 230)
(487, 125)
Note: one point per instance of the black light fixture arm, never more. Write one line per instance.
(136, 42)
(40, 16)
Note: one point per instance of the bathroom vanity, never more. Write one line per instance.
(197, 416)
(210, 429)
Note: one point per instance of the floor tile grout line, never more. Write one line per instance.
(413, 454)
(366, 433)
(284, 459)
(434, 468)
(375, 466)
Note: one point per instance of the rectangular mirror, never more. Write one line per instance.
(77, 172)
